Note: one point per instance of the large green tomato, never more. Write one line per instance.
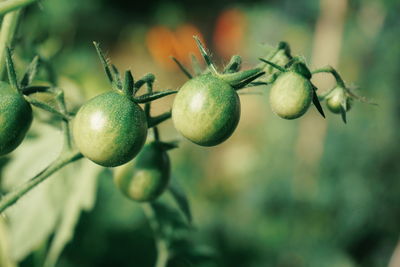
(291, 95)
(206, 110)
(15, 118)
(147, 176)
(110, 129)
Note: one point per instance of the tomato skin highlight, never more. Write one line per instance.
(147, 176)
(110, 129)
(291, 95)
(206, 110)
(15, 118)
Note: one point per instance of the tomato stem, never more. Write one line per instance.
(8, 28)
(12, 5)
(153, 121)
(162, 245)
(64, 123)
(47, 107)
(156, 133)
(331, 70)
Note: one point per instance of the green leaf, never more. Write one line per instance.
(36, 210)
(181, 199)
(81, 198)
(53, 205)
(5, 260)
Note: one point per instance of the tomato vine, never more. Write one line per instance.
(111, 129)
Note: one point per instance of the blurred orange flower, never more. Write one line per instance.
(229, 32)
(163, 43)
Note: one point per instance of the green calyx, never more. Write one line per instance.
(28, 76)
(231, 74)
(128, 86)
(301, 68)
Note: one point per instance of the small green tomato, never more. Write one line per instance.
(206, 110)
(147, 176)
(291, 95)
(15, 118)
(335, 99)
(110, 129)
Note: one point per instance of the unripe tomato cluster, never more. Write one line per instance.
(111, 129)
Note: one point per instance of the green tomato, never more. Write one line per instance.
(206, 110)
(335, 99)
(110, 129)
(147, 176)
(291, 95)
(15, 118)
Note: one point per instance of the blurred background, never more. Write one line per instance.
(309, 192)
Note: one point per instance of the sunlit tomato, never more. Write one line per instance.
(147, 176)
(291, 95)
(110, 129)
(206, 110)
(15, 118)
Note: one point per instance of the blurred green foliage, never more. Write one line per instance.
(250, 204)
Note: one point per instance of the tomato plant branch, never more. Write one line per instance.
(13, 196)
(7, 32)
(64, 123)
(331, 70)
(162, 245)
(12, 5)
(153, 121)
(47, 107)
